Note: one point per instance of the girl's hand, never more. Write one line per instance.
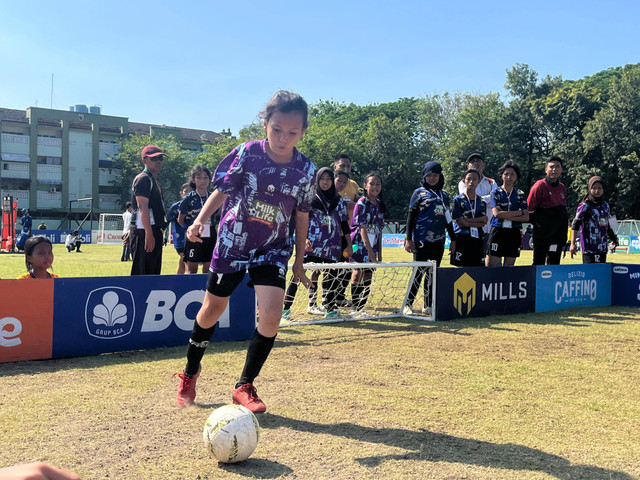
(409, 246)
(372, 255)
(299, 274)
(308, 247)
(194, 231)
(573, 249)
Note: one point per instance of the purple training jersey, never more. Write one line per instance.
(594, 226)
(325, 231)
(257, 220)
(369, 215)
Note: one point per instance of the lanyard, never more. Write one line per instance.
(441, 196)
(508, 197)
(473, 208)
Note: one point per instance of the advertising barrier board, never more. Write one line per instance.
(26, 319)
(566, 286)
(110, 314)
(625, 285)
(480, 291)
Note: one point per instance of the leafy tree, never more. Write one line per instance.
(175, 169)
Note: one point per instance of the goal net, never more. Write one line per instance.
(394, 290)
(110, 228)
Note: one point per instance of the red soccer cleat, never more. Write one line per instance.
(247, 396)
(187, 388)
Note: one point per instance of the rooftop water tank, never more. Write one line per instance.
(72, 108)
(95, 109)
(82, 109)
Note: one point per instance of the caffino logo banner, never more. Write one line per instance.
(480, 291)
(565, 286)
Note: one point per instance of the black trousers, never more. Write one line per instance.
(425, 251)
(146, 263)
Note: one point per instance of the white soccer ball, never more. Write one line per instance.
(231, 433)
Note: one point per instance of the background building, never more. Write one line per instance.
(49, 159)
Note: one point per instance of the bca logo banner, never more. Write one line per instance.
(110, 312)
(464, 296)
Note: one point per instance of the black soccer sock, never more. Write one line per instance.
(197, 345)
(356, 295)
(366, 289)
(257, 353)
(313, 293)
(290, 296)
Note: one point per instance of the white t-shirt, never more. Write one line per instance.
(126, 217)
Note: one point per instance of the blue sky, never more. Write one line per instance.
(213, 65)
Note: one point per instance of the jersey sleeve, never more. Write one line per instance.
(142, 186)
(307, 190)
(456, 211)
(492, 199)
(228, 176)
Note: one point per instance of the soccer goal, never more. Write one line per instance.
(390, 292)
(110, 228)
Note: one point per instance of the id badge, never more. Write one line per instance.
(507, 224)
(474, 232)
(553, 248)
(326, 220)
(373, 239)
(206, 230)
(447, 215)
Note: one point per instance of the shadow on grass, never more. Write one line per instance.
(257, 468)
(440, 447)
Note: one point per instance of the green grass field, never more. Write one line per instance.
(536, 396)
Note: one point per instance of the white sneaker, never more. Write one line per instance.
(427, 311)
(407, 310)
(359, 314)
(316, 310)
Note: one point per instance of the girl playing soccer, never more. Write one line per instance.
(192, 204)
(265, 188)
(592, 224)
(469, 215)
(38, 257)
(328, 223)
(509, 207)
(366, 237)
(429, 217)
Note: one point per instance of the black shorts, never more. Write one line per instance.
(504, 242)
(199, 252)
(469, 252)
(180, 250)
(223, 284)
(594, 258)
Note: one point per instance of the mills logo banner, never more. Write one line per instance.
(480, 291)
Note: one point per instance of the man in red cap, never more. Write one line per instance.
(148, 219)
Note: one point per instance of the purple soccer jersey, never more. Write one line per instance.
(368, 215)
(325, 231)
(257, 219)
(593, 227)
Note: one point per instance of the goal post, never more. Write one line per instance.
(389, 293)
(110, 228)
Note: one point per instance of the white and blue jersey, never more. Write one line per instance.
(507, 202)
(325, 231)
(431, 219)
(465, 208)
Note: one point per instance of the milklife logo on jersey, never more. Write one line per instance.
(110, 312)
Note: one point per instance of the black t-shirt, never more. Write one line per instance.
(144, 185)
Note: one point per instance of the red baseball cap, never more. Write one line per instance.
(151, 151)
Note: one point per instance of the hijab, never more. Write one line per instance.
(590, 198)
(325, 199)
(432, 167)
